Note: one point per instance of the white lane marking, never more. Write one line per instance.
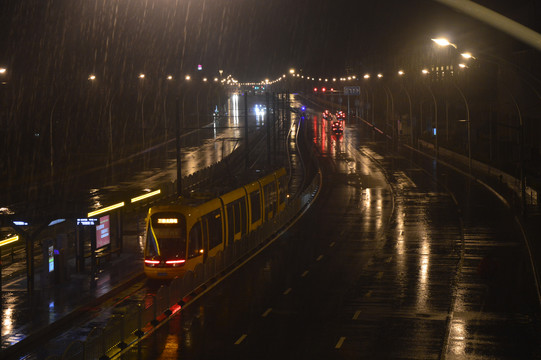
(304, 273)
(319, 257)
(331, 244)
(356, 315)
(340, 342)
(267, 312)
(287, 291)
(241, 339)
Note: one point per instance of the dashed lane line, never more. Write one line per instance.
(340, 342)
(241, 339)
(287, 291)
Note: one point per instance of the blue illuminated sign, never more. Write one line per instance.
(87, 222)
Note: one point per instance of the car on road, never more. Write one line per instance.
(340, 115)
(326, 115)
(337, 127)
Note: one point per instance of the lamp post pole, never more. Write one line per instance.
(435, 117)
(467, 121)
(177, 138)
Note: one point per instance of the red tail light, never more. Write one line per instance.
(175, 262)
(152, 262)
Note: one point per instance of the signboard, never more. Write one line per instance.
(352, 90)
(102, 232)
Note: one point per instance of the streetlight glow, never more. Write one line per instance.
(400, 72)
(141, 76)
(443, 42)
(380, 75)
(170, 77)
(3, 70)
(92, 77)
(467, 55)
(187, 77)
(366, 76)
(292, 71)
(424, 71)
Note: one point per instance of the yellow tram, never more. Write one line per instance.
(180, 236)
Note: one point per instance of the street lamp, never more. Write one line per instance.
(467, 55)
(444, 42)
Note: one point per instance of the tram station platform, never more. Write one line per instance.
(31, 318)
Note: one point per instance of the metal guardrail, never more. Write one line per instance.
(140, 320)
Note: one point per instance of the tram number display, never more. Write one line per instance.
(168, 221)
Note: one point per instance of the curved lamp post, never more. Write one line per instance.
(401, 73)
(467, 121)
(425, 72)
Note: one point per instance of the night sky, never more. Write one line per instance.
(251, 39)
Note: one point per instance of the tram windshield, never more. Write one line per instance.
(169, 230)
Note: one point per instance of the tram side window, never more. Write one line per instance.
(237, 216)
(230, 222)
(270, 198)
(196, 242)
(282, 189)
(255, 204)
(215, 228)
(242, 205)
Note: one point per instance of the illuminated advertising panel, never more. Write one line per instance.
(50, 252)
(102, 232)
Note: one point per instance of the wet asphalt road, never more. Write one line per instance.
(396, 259)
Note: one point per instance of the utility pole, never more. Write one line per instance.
(247, 150)
(179, 162)
(267, 126)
